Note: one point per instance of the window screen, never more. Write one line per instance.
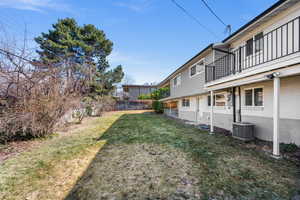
(258, 42)
(258, 96)
(249, 47)
(248, 97)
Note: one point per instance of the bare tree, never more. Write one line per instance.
(33, 95)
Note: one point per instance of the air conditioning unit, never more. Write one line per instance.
(243, 131)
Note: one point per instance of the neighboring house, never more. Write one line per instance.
(132, 92)
(252, 76)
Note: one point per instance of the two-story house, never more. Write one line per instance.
(251, 76)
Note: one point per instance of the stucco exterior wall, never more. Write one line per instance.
(289, 128)
(289, 99)
(188, 113)
(260, 116)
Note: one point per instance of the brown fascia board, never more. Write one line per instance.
(147, 86)
(255, 19)
(183, 66)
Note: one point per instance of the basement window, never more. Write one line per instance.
(209, 100)
(254, 97)
(185, 102)
(219, 99)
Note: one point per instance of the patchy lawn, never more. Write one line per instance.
(146, 156)
(50, 169)
(149, 156)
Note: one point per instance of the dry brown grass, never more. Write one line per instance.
(146, 156)
(138, 171)
(50, 170)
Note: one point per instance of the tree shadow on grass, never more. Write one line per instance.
(141, 160)
(148, 156)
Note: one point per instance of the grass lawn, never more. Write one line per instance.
(133, 155)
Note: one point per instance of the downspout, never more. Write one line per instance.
(197, 108)
(240, 105)
(234, 104)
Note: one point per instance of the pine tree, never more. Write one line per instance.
(80, 52)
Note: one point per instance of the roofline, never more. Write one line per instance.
(132, 85)
(274, 6)
(182, 66)
(185, 96)
(277, 4)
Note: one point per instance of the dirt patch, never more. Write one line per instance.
(138, 171)
(15, 148)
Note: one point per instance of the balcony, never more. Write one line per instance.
(274, 45)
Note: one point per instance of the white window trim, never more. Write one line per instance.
(177, 80)
(225, 94)
(186, 106)
(253, 105)
(197, 73)
(254, 53)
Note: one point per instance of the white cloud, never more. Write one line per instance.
(34, 5)
(134, 5)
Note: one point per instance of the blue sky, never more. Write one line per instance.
(151, 37)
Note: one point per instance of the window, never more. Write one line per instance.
(248, 97)
(254, 97)
(249, 47)
(219, 99)
(258, 42)
(185, 102)
(209, 100)
(258, 97)
(197, 68)
(177, 80)
(193, 70)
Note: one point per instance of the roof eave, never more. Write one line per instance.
(182, 66)
(258, 17)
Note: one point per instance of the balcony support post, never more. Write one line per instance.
(276, 115)
(211, 112)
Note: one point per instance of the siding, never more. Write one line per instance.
(272, 24)
(190, 85)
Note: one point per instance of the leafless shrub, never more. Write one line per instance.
(98, 105)
(33, 95)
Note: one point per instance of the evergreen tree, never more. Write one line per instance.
(81, 53)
